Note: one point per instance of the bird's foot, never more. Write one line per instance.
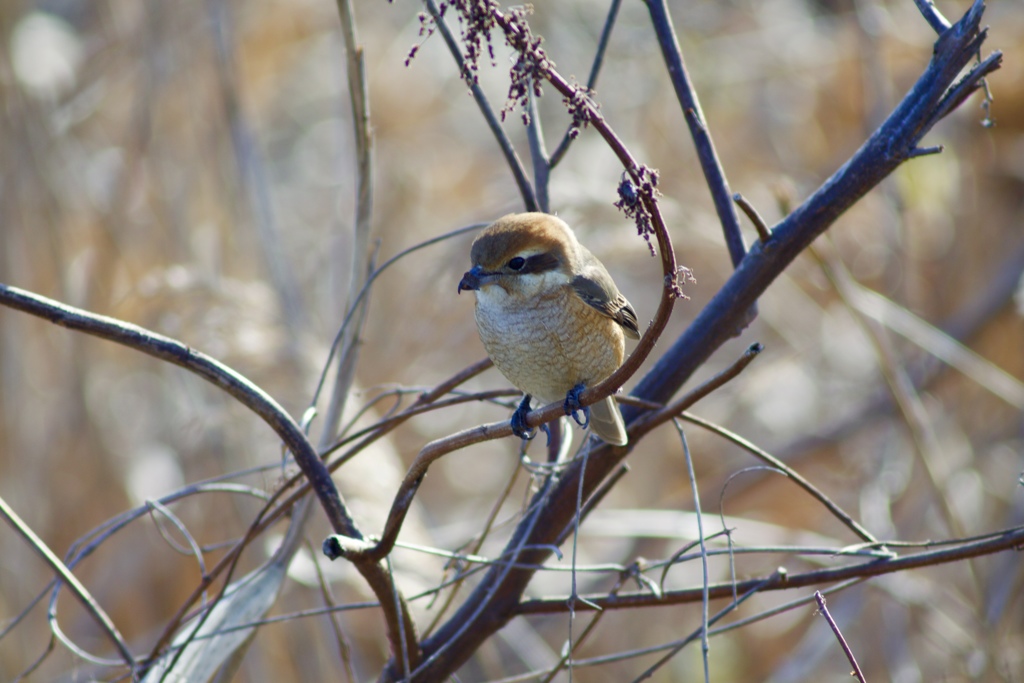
(573, 408)
(519, 427)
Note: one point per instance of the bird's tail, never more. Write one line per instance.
(606, 422)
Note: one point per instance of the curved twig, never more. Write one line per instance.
(242, 389)
(106, 624)
(789, 472)
(198, 363)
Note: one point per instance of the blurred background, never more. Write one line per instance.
(189, 167)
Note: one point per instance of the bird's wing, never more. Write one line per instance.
(596, 288)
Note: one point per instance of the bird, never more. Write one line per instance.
(550, 317)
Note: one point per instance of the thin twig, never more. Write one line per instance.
(763, 233)
(80, 592)
(332, 609)
(663, 414)
(504, 143)
(703, 550)
(839, 635)
(595, 70)
(790, 473)
(538, 156)
(714, 175)
(1011, 539)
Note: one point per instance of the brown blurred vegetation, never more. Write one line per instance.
(207, 193)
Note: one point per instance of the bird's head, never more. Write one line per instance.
(522, 254)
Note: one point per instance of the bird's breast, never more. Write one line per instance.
(547, 344)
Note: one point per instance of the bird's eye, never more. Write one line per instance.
(517, 263)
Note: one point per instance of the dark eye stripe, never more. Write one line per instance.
(539, 263)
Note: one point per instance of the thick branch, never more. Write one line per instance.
(891, 145)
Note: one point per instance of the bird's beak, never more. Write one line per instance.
(473, 279)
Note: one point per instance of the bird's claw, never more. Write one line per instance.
(573, 408)
(519, 426)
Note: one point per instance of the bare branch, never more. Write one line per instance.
(1009, 540)
(839, 635)
(884, 151)
(508, 151)
(687, 96)
(762, 228)
(595, 70)
(198, 363)
(887, 148)
(77, 588)
(933, 16)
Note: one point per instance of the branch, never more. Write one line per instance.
(933, 16)
(595, 70)
(507, 150)
(887, 148)
(1012, 539)
(361, 266)
(539, 157)
(763, 233)
(687, 96)
(80, 592)
(215, 372)
(400, 627)
(198, 363)
(839, 635)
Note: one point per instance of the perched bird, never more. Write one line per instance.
(550, 317)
